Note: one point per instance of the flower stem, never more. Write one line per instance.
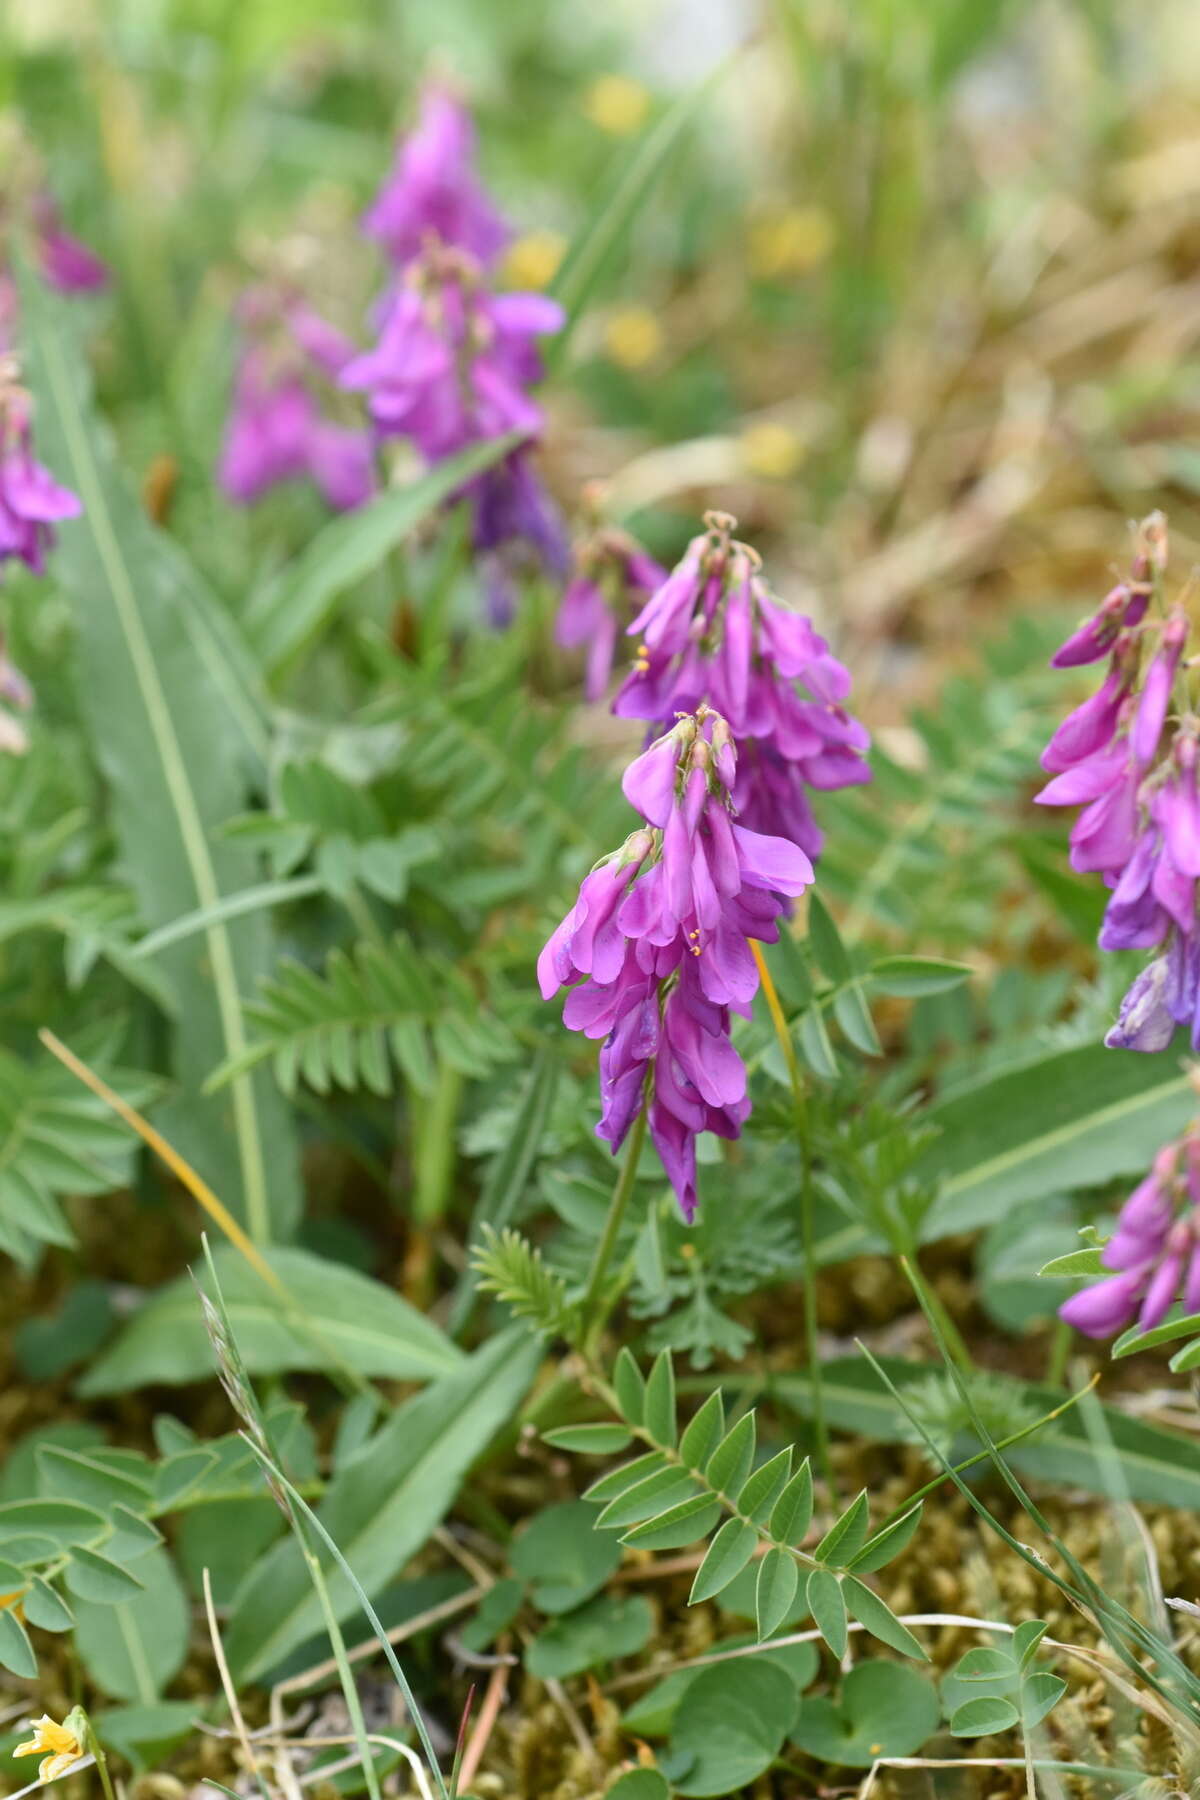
(812, 1351)
(97, 1749)
(592, 1312)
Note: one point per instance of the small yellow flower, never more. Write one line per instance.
(534, 260)
(617, 104)
(771, 449)
(58, 1747)
(790, 242)
(633, 337)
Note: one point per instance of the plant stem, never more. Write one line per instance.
(97, 1749)
(812, 1350)
(338, 1644)
(592, 1315)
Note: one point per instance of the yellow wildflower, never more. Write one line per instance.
(617, 104)
(790, 241)
(57, 1746)
(771, 449)
(633, 337)
(534, 260)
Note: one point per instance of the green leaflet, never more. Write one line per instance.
(381, 1507)
(371, 1328)
(133, 1649)
(155, 703)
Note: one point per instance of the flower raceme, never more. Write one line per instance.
(1128, 756)
(452, 367)
(278, 428)
(1154, 1252)
(656, 950)
(713, 633)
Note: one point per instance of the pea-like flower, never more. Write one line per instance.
(1154, 1252)
(714, 634)
(58, 1746)
(658, 944)
(432, 190)
(31, 501)
(612, 578)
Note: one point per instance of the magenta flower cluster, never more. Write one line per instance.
(712, 633)
(432, 191)
(1128, 756)
(1154, 1252)
(656, 950)
(280, 428)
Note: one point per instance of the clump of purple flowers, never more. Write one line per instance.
(659, 945)
(1155, 1250)
(1128, 756)
(432, 191)
(280, 428)
(713, 633)
(453, 367)
(612, 576)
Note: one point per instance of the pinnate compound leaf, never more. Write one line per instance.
(660, 1418)
(792, 1513)
(727, 1555)
(828, 1608)
(703, 1432)
(730, 1462)
(847, 1535)
(865, 1605)
(778, 1579)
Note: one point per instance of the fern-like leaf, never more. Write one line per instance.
(344, 1027)
(510, 1267)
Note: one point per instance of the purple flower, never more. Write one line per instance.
(613, 575)
(277, 429)
(452, 368)
(65, 263)
(432, 190)
(31, 501)
(1146, 1021)
(659, 940)
(712, 634)
(1154, 1252)
(1121, 608)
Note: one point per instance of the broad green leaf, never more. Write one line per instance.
(619, 1481)
(285, 616)
(763, 1488)
(1055, 1124)
(730, 1725)
(1158, 1467)
(731, 1461)
(982, 1717)
(828, 1608)
(659, 1418)
(778, 1579)
(1039, 1695)
(703, 1432)
(847, 1535)
(336, 1314)
(16, 1652)
(157, 708)
(590, 1440)
(728, 1553)
(609, 1626)
(792, 1512)
(865, 1605)
(144, 1735)
(884, 1709)
(382, 1507)
(563, 1556)
(686, 1523)
(134, 1648)
(630, 1388)
(91, 1576)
